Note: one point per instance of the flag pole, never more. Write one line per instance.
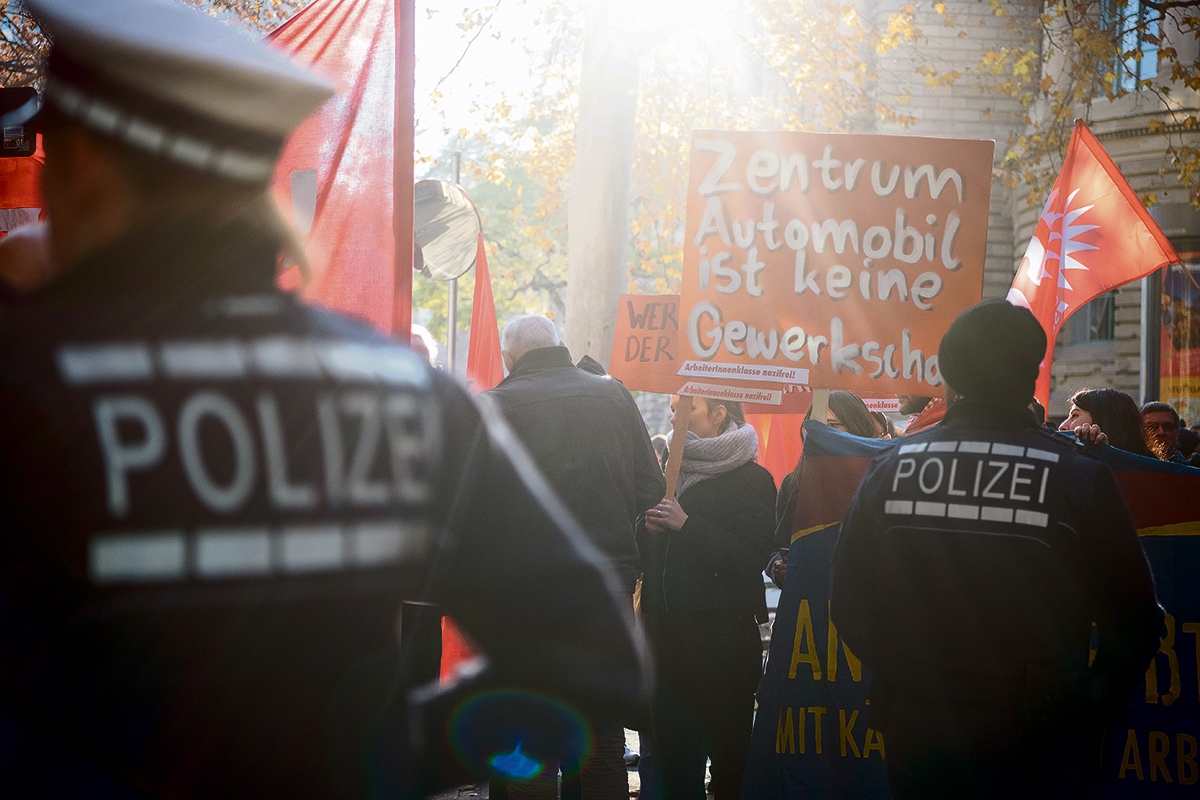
(452, 306)
(402, 156)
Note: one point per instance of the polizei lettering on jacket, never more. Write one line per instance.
(971, 480)
(376, 440)
(357, 429)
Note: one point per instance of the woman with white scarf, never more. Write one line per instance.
(702, 597)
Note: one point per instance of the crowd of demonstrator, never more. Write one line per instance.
(178, 625)
(699, 553)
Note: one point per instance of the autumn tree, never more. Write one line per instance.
(794, 64)
(23, 48)
(1089, 59)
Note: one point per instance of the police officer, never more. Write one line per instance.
(213, 499)
(969, 570)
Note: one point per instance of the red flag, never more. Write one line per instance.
(455, 650)
(340, 170)
(779, 442)
(485, 367)
(1093, 236)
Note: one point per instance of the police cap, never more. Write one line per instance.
(993, 351)
(176, 83)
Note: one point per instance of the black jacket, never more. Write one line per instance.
(974, 559)
(213, 500)
(713, 564)
(588, 437)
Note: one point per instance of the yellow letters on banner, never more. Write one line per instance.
(1131, 759)
(874, 742)
(1160, 745)
(791, 735)
(1185, 759)
(831, 663)
(846, 730)
(1167, 648)
(785, 735)
(804, 634)
(817, 712)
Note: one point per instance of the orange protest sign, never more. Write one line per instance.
(832, 260)
(645, 354)
(646, 357)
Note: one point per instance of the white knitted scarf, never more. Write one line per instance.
(707, 458)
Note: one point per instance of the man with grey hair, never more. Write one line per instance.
(587, 436)
(523, 334)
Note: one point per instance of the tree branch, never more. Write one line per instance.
(467, 49)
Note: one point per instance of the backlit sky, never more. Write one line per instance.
(496, 62)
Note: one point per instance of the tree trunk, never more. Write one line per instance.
(598, 209)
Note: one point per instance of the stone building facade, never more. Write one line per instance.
(1109, 352)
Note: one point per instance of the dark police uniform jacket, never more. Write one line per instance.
(972, 563)
(213, 500)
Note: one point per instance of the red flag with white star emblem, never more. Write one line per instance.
(1093, 236)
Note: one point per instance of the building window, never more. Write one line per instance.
(1093, 322)
(1137, 29)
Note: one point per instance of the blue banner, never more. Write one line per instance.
(811, 739)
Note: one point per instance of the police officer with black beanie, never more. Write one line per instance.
(970, 567)
(214, 498)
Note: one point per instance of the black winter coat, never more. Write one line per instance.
(974, 559)
(213, 501)
(713, 565)
(587, 436)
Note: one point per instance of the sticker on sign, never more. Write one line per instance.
(768, 397)
(744, 372)
(884, 404)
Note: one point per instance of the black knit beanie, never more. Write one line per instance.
(992, 351)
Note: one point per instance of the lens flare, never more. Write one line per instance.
(516, 765)
(514, 734)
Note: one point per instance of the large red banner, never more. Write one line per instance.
(345, 177)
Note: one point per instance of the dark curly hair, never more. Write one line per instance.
(1117, 415)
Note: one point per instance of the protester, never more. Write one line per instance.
(1188, 441)
(1114, 412)
(589, 364)
(215, 499)
(970, 568)
(1038, 410)
(587, 436)
(847, 412)
(884, 428)
(1160, 426)
(702, 597)
(924, 412)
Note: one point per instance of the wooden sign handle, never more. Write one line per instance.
(683, 412)
(820, 405)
